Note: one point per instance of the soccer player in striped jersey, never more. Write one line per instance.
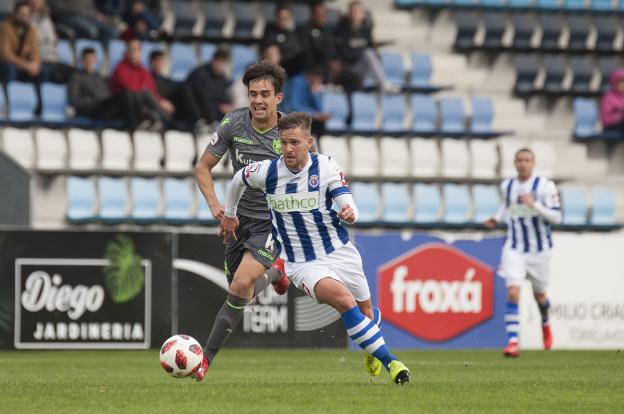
(531, 206)
(300, 188)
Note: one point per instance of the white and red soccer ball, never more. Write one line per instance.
(181, 356)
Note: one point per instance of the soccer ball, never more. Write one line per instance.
(181, 356)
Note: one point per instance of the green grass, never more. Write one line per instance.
(312, 381)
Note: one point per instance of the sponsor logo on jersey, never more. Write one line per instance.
(243, 140)
(436, 292)
(284, 203)
(224, 122)
(277, 146)
(214, 138)
(242, 158)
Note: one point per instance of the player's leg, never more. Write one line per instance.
(513, 269)
(539, 269)
(372, 364)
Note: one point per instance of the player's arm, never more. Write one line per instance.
(500, 213)
(549, 207)
(340, 193)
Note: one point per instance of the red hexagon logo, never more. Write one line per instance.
(435, 292)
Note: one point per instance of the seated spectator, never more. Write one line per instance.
(612, 103)
(165, 86)
(19, 49)
(354, 47)
(271, 53)
(143, 19)
(303, 93)
(82, 17)
(209, 86)
(48, 42)
(282, 33)
(317, 40)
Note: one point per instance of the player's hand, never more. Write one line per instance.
(217, 211)
(528, 200)
(347, 214)
(228, 228)
(490, 223)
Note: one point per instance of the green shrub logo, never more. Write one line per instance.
(277, 146)
(124, 274)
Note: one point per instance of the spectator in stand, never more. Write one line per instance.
(355, 48)
(209, 87)
(143, 18)
(317, 40)
(271, 53)
(612, 104)
(304, 93)
(82, 17)
(131, 75)
(282, 33)
(165, 86)
(48, 42)
(20, 58)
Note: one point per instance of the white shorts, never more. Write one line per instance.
(343, 264)
(515, 266)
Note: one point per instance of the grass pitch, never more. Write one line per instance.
(312, 381)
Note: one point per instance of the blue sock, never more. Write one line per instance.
(377, 316)
(366, 334)
(512, 321)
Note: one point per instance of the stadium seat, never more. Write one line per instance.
(396, 203)
(527, 68)
(22, 101)
(51, 149)
(574, 4)
(508, 148)
(366, 151)
(113, 198)
(483, 159)
(548, 4)
(394, 157)
(606, 31)
(425, 156)
(420, 75)
(393, 113)
(366, 197)
(455, 158)
(524, 26)
(145, 199)
(394, 68)
(245, 14)
(54, 102)
(116, 150)
(301, 13)
(338, 149)
(551, 30)
(607, 65)
(146, 50)
(336, 104)
(183, 60)
(467, 25)
(364, 112)
(482, 115)
(452, 115)
(586, 117)
(603, 207)
(65, 52)
(206, 52)
(3, 104)
(185, 17)
(19, 144)
(215, 16)
(179, 151)
(574, 202)
(427, 203)
(84, 149)
(495, 24)
(555, 68)
(178, 199)
(242, 56)
(486, 202)
(457, 203)
(583, 72)
(81, 44)
(579, 28)
(148, 151)
(201, 144)
(116, 52)
(423, 113)
(203, 211)
(519, 4)
(602, 5)
(80, 199)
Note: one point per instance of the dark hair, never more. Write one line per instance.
(267, 71)
(18, 5)
(156, 54)
(295, 120)
(221, 55)
(525, 149)
(87, 51)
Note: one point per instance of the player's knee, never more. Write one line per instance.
(241, 286)
(513, 294)
(343, 302)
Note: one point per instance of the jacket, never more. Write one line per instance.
(128, 77)
(10, 44)
(612, 104)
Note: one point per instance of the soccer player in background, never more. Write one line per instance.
(300, 188)
(249, 134)
(531, 206)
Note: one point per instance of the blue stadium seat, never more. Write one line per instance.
(246, 14)
(336, 104)
(183, 60)
(551, 30)
(22, 101)
(364, 112)
(574, 202)
(301, 13)
(206, 52)
(424, 113)
(80, 44)
(113, 198)
(366, 197)
(527, 68)
(396, 203)
(548, 4)
(242, 56)
(524, 26)
(457, 203)
(145, 199)
(486, 202)
(574, 4)
(602, 4)
(583, 72)
(185, 17)
(603, 207)
(394, 67)
(607, 65)
(146, 50)
(393, 111)
(555, 68)
(586, 117)
(65, 52)
(495, 24)
(520, 4)
(579, 28)
(493, 3)
(80, 199)
(426, 203)
(467, 25)
(420, 75)
(215, 18)
(606, 31)
(2, 104)
(116, 51)
(452, 114)
(178, 199)
(54, 102)
(482, 115)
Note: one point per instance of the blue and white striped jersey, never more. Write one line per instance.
(300, 205)
(528, 229)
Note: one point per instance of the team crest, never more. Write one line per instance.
(314, 180)
(277, 146)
